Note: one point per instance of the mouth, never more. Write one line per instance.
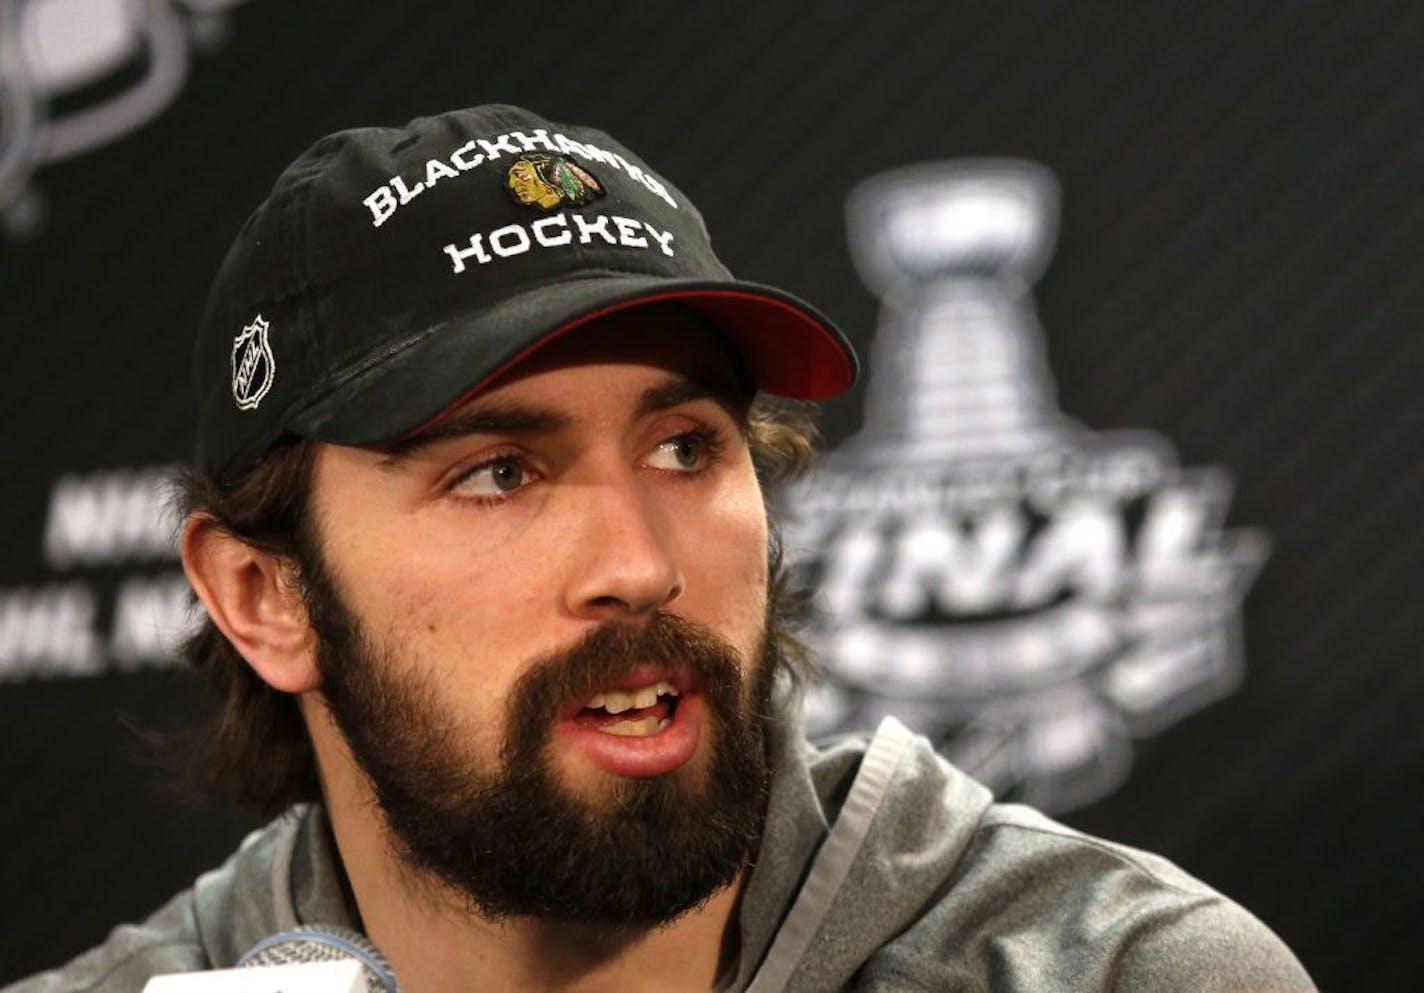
(647, 725)
(636, 713)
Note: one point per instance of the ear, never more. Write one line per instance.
(252, 598)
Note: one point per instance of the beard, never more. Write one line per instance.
(512, 839)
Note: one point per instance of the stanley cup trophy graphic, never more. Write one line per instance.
(953, 252)
(1029, 594)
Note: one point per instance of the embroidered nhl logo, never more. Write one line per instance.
(551, 181)
(253, 366)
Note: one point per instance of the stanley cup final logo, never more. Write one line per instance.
(1029, 594)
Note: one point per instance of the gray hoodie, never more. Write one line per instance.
(882, 868)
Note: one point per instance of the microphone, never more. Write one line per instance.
(344, 976)
(324, 943)
(311, 959)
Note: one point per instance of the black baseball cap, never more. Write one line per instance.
(392, 271)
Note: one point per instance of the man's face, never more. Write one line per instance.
(543, 626)
(528, 187)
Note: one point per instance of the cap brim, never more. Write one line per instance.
(787, 346)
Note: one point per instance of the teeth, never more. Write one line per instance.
(617, 701)
(642, 727)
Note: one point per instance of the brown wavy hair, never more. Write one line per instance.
(256, 743)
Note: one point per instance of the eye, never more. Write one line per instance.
(496, 478)
(684, 453)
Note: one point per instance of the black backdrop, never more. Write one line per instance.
(1236, 270)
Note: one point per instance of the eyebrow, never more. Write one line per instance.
(680, 390)
(508, 418)
(522, 419)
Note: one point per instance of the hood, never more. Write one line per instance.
(861, 837)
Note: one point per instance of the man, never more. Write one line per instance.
(479, 523)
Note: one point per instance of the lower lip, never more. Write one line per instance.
(638, 758)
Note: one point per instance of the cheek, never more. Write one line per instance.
(470, 616)
(445, 571)
(726, 563)
(458, 611)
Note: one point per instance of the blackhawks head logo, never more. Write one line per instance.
(551, 181)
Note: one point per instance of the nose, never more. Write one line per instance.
(624, 558)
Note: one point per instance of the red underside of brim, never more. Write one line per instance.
(786, 351)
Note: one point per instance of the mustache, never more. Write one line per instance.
(609, 653)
